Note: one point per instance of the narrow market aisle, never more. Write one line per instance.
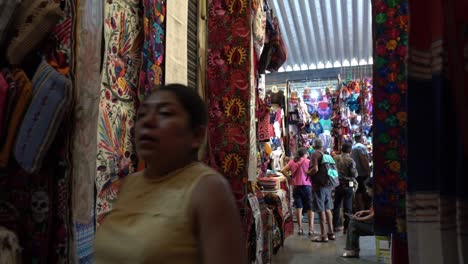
(300, 250)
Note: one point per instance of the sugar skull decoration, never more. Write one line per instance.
(39, 206)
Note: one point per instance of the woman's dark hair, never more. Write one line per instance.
(346, 148)
(300, 153)
(370, 182)
(190, 101)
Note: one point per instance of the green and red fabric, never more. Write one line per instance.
(228, 91)
(390, 20)
(116, 157)
(152, 69)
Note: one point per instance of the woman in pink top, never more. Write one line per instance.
(302, 192)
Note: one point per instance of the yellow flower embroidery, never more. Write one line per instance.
(237, 55)
(239, 5)
(235, 108)
(392, 44)
(233, 164)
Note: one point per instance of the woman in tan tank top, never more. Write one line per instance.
(177, 210)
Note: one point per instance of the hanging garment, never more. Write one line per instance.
(10, 102)
(153, 50)
(259, 26)
(117, 107)
(4, 87)
(34, 21)
(436, 178)
(254, 205)
(7, 9)
(52, 98)
(229, 54)
(176, 46)
(87, 85)
(22, 104)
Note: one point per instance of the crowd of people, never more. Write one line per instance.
(343, 205)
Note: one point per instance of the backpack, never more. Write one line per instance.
(327, 175)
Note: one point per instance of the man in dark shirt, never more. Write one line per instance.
(360, 155)
(322, 196)
(344, 192)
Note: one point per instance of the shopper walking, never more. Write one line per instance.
(322, 196)
(302, 188)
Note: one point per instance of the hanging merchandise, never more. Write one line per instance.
(9, 105)
(52, 98)
(87, 76)
(259, 26)
(33, 21)
(116, 157)
(152, 69)
(228, 92)
(22, 103)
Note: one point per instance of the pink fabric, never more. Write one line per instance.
(299, 172)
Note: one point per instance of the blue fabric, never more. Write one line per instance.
(52, 97)
(84, 241)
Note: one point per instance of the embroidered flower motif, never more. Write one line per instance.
(384, 138)
(217, 9)
(238, 80)
(392, 155)
(237, 55)
(402, 117)
(235, 108)
(394, 166)
(215, 59)
(384, 105)
(238, 6)
(240, 28)
(237, 134)
(232, 164)
(392, 121)
(381, 18)
(392, 44)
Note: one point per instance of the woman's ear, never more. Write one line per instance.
(199, 135)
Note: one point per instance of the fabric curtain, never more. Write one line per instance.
(176, 42)
(437, 207)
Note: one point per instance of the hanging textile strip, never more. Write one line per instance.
(87, 85)
(59, 47)
(390, 20)
(228, 77)
(176, 69)
(22, 104)
(437, 78)
(152, 69)
(254, 205)
(116, 157)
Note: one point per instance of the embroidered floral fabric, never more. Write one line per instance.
(116, 157)
(390, 85)
(228, 91)
(152, 72)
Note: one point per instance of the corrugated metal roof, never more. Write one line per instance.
(325, 33)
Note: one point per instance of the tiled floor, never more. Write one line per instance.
(300, 250)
